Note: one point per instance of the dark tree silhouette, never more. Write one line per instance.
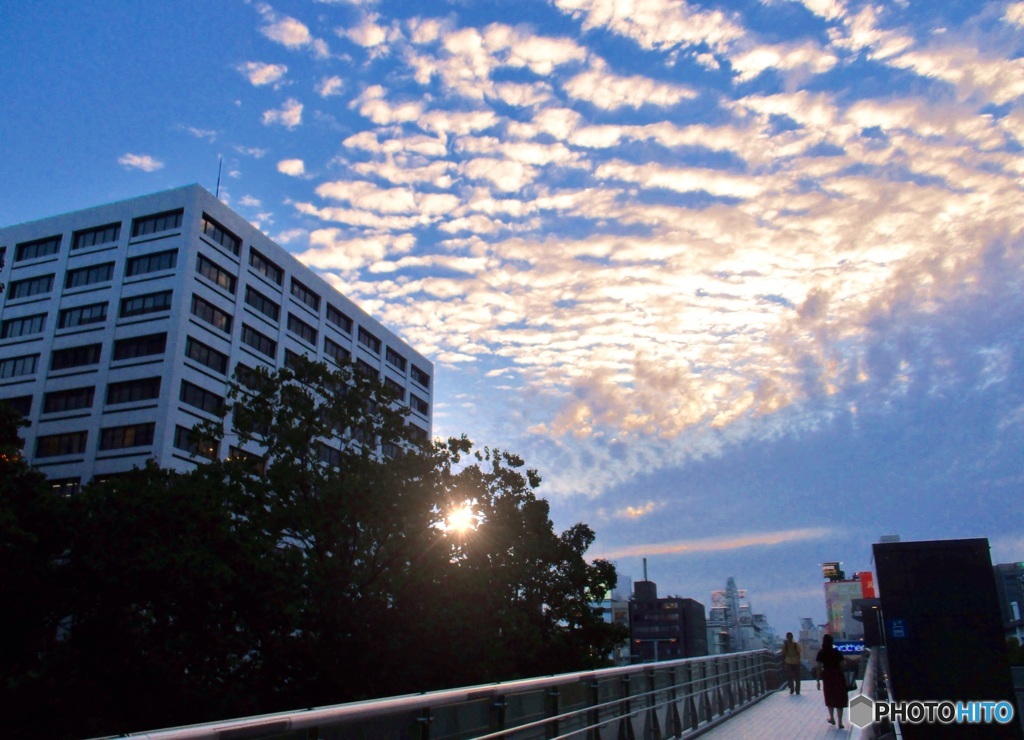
(313, 566)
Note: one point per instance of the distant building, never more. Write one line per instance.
(615, 610)
(121, 324)
(732, 625)
(839, 598)
(810, 638)
(667, 628)
(1010, 588)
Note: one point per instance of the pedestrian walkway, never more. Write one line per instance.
(785, 716)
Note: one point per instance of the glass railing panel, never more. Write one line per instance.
(460, 721)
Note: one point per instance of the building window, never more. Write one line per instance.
(193, 395)
(65, 486)
(16, 367)
(132, 347)
(265, 267)
(23, 326)
(366, 369)
(66, 443)
(397, 388)
(259, 342)
(157, 222)
(133, 435)
(369, 341)
(256, 463)
(21, 405)
(211, 314)
(69, 400)
(262, 304)
(143, 304)
(96, 236)
(302, 329)
(131, 391)
(246, 376)
(30, 287)
(418, 404)
(213, 230)
(336, 352)
(154, 262)
(339, 319)
(37, 248)
(395, 359)
(195, 444)
(205, 355)
(215, 274)
(95, 313)
(88, 354)
(328, 455)
(305, 295)
(418, 434)
(89, 275)
(420, 377)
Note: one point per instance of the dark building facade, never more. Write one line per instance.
(943, 631)
(665, 629)
(1010, 588)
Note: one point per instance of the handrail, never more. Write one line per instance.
(674, 698)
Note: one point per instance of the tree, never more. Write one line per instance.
(403, 602)
(317, 564)
(169, 594)
(33, 531)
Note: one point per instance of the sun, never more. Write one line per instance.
(461, 519)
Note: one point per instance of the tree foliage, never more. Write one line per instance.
(317, 568)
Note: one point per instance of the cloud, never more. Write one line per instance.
(636, 512)
(142, 162)
(1001, 80)
(719, 544)
(1014, 14)
(291, 32)
(289, 115)
(329, 86)
(804, 56)
(293, 167)
(657, 24)
(260, 73)
(368, 33)
(251, 151)
(373, 104)
(610, 91)
(208, 134)
(331, 249)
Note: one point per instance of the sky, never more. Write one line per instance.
(742, 280)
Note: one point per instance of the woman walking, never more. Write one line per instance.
(830, 671)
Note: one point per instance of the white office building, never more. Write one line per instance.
(120, 326)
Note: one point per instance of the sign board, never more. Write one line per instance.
(830, 570)
(897, 629)
(849, 647)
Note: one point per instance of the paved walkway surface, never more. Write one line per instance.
(785, 716)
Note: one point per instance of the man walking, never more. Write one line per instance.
(791, 659)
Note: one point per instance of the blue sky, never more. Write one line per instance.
(741, 279)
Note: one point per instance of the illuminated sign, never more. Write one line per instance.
(849, 647)
(830, 570)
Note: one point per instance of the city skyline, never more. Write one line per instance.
(741, 280)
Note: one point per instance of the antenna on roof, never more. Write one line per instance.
(220, 164)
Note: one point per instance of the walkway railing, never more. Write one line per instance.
(654, 700)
